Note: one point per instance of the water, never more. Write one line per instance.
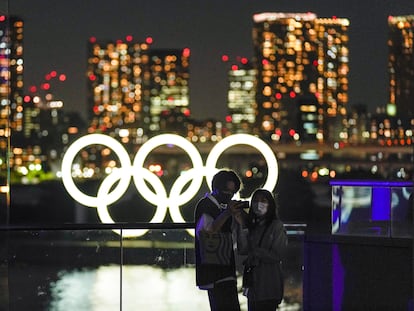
(144, 287)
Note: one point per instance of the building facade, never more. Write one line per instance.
(241, 97)
(168, 84)
(115, 85)
(401, 65)
(130, 85)
(11, 79)
(299, 55)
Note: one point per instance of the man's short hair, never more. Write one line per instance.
(221, 178)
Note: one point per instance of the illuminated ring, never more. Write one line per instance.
(102, 206)
(166, 139)
(95, 139)
(244, 139)
(174, 202)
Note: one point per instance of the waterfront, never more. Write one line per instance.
(68, 275)
(143, 288)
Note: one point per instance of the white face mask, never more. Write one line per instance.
(260, 208)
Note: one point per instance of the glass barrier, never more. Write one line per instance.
(98, 270)
(372, 208)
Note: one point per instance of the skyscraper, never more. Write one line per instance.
(168, 87)
(299, 56)
(401, 65)
(241, 97)
(130, 84)
(11, 79)
(115, 85)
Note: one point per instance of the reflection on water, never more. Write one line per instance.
(82, 271)
(143, 288)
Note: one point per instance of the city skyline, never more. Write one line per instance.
(208, 79)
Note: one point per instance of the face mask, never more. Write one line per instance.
(260, 208)
(223, 197)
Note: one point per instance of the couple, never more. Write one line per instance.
(260, 235)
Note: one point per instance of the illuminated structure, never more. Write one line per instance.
(307, 119)
(202, 131)
(130, 85)
(115, 82)
(299, 55)
(11, 82)
(169, 77)
(156, 194)
(401, 65)
(241, 98)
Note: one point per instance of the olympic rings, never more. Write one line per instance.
(142, 176)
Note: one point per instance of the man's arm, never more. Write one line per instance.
(211, 225)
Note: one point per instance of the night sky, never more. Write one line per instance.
(56, 35)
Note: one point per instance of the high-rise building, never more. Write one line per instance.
(333, 70)
(131, 84)
(168, 87)
(401, 65)
(299, 55)
(11, 79)
(118, 106)
(241, 97)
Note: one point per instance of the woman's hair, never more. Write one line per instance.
(272, 210)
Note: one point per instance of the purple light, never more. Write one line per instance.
(381, 203)
(371, 183)
(337, 279)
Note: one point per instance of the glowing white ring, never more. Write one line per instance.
(141, 174)
(244, 139)
(102, 207)
(94, 139)
(160, 140)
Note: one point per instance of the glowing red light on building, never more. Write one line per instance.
(265, 62)
(234, 67)
(244, 60)
(45, 86)
(62, 77)
(225, 58)
(186, 52)
(2, 18)
(292, 132)
(148, 40)
(128, 38)
(187, 112)
(315, 63)
(27, 99)
(48, 77)
(228, 119)
(278, 96)
(292, 94)
(32, 89)
(92, 39)
(92, 77)
(278, 132)
(53, 73)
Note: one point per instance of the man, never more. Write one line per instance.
(215, 214)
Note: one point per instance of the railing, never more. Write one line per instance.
(89, 267)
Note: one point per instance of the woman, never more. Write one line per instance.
(263, 240)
